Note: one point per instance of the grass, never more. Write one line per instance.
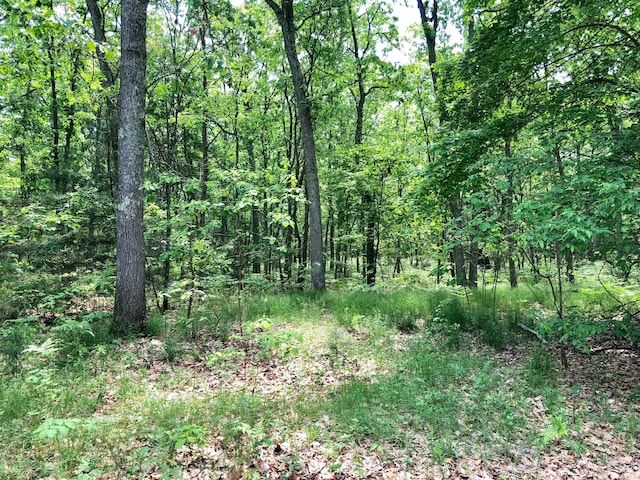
(419, 375)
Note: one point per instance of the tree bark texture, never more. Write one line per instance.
(286, 19)
(130, 302)
(474, 255)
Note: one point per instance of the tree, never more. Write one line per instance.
(365, 61)
(130, 301)
(110, 135)
(430, 18)
(286, 20)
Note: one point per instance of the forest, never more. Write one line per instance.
(319, 239)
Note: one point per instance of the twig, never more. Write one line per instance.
(532, 331)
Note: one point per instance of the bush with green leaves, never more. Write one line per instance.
(187, 435)
(15, 335)
(78, 335)
(451, 311)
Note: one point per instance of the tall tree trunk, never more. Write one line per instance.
(70, 113)
(255, 214)
(108, 82)
(55, 120)
(24, 191)
(568, 254)
(368, 198)
(130, 301)
(457, 253)
(568, 257)
(474, 255)
(508, 214)
(286, 20)
(430, 21)
(166, 267)
(204, 133)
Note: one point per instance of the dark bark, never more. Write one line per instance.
(568, 254)
(70, 113)
(507, 213)
(55, 120)
(130, 302)
(204, 166)
(371, 252)
(24, 191)
(513, 273)
(255, 214)
(368, 198)
(166, 267)
(430, 22)
(457, 253)
(285, 18)
(474, 255)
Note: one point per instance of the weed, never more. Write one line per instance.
(491, 328)
(442, 450)
(452, 312)
(541, 368)
(555, 430)
(190, 327)
(12, 344)
(279, 343)
(172, 349)
(445, 333)
(74, 337)
(139, 460)
(401, 387)
(56, 428)
(156, 324)
(189, 434)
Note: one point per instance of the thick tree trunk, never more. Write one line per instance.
(166, 267)
(130, 301)
(568, 257)
(287, 24)
(513, 274)
(370, 240)
(204, 133)
(24, 191)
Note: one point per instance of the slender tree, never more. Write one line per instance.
(430, 20)
(130, 301)
(110, 135)
(286, 20)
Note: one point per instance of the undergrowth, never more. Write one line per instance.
(409, 371)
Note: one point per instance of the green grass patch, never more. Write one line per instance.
(401, 370)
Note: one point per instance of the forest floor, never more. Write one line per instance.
(591, 435)
(310, 398)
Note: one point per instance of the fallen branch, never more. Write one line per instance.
(532, 331)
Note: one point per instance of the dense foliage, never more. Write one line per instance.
(516, 151)
(471, 205)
